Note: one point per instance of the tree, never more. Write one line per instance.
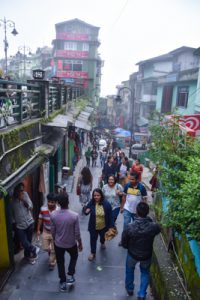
(179, 160)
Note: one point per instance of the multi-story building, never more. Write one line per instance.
(167, 84)
(75, 55)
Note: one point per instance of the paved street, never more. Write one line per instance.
(102, 279)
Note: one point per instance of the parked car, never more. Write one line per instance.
(137, 149)
(102, 144)
(139, 137)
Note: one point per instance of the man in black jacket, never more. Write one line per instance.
(138, 239)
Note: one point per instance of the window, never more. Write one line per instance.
(72, 65)
(150, 88)
(182, 97)
(67, 65)
(85, 47)
(77, 65)
(70, 46)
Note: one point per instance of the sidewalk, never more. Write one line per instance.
(102, 279)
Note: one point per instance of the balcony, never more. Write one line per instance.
(148, 98)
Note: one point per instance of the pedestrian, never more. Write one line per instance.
(88, 156)
(108, 169)
(113, 192)
(138, 239)
(134, 192)
(67, 238)
(44, 222)
(123, 171)
(84, 185)
(23, 222)
(94, 155)
(137, 168)
(154, 181)
(103, 156)
(100, 220)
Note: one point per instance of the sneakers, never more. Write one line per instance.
(71, 280)
(63, 287)
(31, 261)
(35, 256)
(91, 257)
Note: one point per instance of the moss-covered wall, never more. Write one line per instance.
(12, 157)
(185, 255)
(164, 280)
(189, 266)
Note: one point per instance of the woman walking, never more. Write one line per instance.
(123, 171)
(112, 193)
(84, 186)
(137, 168)
(100, 220)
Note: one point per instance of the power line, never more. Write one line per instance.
(120, 13)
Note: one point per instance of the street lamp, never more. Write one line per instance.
(5, 23)
(25, 50)
(119, 100)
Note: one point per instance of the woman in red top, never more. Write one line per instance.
(137, 168)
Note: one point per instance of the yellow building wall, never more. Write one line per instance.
(4, 254)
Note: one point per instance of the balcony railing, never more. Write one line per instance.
(20, 102)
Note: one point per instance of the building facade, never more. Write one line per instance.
(75, 55)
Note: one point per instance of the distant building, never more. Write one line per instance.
(75, 56)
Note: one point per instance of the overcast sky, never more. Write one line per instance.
(130, 30)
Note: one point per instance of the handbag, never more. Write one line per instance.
(111, 233)
(78, 190)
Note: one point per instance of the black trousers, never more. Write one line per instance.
(60, 257)
(94, 236)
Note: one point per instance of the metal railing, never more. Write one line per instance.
(20, 102)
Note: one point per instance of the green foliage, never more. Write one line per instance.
(179, 165)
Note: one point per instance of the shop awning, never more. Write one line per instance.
(83, 125)
(142, 121)
(59, 121)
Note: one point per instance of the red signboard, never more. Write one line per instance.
(72, 74)
(71, 54)
(187, 123)
(68, 36)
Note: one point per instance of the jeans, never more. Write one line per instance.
(60, 257)
(115, 213)
(144, 275)
(25, 237)
(127, 217)
(93, 238)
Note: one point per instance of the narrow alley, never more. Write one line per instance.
(102, 279)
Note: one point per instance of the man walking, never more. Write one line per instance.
(138, 239)
(134, 192)
(66, 234)
(45, 221)
(23, 221)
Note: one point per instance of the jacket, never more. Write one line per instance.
(138, 238)
(108, 170)
(107, 211)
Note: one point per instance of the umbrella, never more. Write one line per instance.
(124, 133)
(118, 130)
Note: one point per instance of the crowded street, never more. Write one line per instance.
(102, 278)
